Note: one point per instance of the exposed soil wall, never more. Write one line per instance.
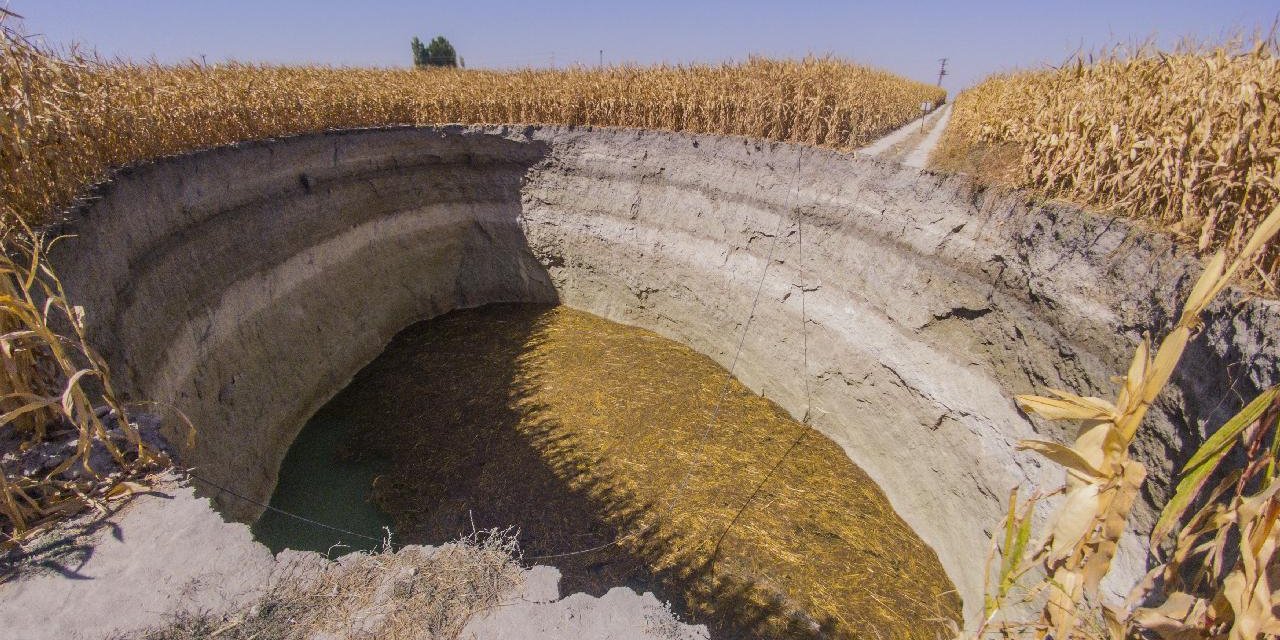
(247, 284)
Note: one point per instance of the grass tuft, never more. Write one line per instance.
(416, 592)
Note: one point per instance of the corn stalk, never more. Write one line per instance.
(1220, 580)
(1102, 483)
(55, 386)
(1188, 141)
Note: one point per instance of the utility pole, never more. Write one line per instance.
(602, 57)
(942, 70)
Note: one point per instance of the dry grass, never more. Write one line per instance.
(67, 119)
(582, 431)
(415, 593)
(1189, 141)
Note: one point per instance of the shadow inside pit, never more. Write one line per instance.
(450, 411)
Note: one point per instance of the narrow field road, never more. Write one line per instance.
(911, 144)
(919, 156)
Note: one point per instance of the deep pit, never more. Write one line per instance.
(623, 458)
(246, 285)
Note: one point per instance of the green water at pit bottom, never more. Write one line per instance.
(316, 482)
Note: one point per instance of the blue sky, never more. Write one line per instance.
(904, 37)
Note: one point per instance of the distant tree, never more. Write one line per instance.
(441, 54)
(419, 52)
(438, 53)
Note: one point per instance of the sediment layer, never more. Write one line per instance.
(247, 284)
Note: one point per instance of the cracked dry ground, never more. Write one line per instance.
(578, 431)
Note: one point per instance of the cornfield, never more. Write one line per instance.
(1189, 141)
(67, 117)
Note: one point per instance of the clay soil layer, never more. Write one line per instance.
(580, 431)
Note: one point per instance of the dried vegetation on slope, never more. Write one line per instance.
(1189, 141)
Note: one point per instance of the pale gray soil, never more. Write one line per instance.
(165, 557)
(539, 613)
(160, 554)
(919, 156)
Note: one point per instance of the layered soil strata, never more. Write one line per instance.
(247, 284)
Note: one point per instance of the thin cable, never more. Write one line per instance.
(282, 511)
(808, 397)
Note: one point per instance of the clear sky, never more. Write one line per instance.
(903, 36)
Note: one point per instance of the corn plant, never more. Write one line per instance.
(54, 386)
(1070, 559)
(1220, 579)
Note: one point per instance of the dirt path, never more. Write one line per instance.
(912, 144)
(919, 156)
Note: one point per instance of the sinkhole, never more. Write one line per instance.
(621, 458)
(527, 326)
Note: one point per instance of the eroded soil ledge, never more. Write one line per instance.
(247, 284)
